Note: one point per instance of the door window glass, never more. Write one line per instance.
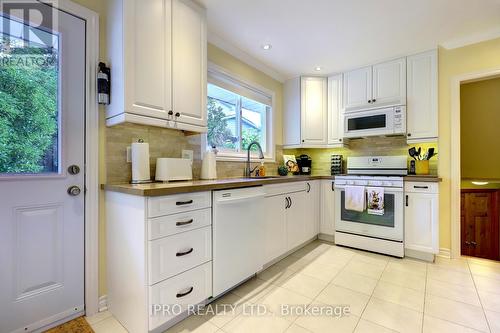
(29, 103)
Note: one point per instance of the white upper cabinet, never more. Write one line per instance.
(306, 114)
(389, 83)
(291, 113)
(375, 86)
(189, 62)
(335, 114)
(157, 51)
(358, 89)
(314, 113)
(422, 99)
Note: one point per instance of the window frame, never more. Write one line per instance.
(270, 154)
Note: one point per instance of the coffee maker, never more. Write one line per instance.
(304, 162)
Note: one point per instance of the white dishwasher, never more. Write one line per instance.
(238, 217)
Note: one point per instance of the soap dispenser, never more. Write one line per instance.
(209, 164)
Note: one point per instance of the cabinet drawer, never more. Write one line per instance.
(175, 254)
(189, 288)
(178, 203)
(278, 189)
(421, 187)
(173, 224)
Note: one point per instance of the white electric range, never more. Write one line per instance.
(377, 233)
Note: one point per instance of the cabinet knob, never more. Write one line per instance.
(170, 112)
(369, 101)
(409, 134)
(303, 140)
(374, 100)
(177, 114)
(340, 140)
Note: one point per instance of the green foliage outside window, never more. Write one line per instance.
(28, 109)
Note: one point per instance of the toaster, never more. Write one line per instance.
(168, 169)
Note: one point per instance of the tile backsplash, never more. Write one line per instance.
(163, 143)
(375, 146)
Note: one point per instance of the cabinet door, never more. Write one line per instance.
(327, 225)
(147, 50)
(421, 222)
(389, 83)
(189, 58)
(335, 117)
(312, 195)
(314, 113)
(275, 227)
(422, 99)
(358, 89)
(291, 112)
(295, 220)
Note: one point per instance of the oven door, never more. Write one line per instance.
(369, 123)
(387, 226)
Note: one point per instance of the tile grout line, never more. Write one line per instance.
(425, 294)
(479, 297)
(371, 296)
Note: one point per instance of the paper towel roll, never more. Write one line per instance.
(140, 162)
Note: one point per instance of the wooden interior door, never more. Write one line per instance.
(480, 223)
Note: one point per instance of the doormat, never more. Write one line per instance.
(78, 325)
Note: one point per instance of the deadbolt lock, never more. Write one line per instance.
(74, 169)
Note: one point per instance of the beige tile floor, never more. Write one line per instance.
(384, 294)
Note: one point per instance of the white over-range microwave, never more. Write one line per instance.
(378, 122)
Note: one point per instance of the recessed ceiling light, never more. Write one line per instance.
(317, 68)
(480, 183)
(267, 46)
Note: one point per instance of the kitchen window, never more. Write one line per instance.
(238, 114)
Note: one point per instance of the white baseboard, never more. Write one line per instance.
(103, 303)
(444, 253)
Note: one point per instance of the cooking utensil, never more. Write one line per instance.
(419, 151)
(430, 153)
(413, 152)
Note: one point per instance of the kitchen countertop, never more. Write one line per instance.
(159, 189)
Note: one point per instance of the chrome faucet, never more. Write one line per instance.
(248, 171)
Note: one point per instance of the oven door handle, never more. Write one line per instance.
(386, 189)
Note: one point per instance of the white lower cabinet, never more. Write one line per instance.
(421, 220)
(177, 293)
(159, 255)
(296, 220)
(291, 217)
(275, 227)
(312, 208)
(327, 220)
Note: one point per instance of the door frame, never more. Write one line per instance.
(455, 175)
(91, 168)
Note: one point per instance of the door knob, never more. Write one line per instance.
(74, 190)
(74, 169)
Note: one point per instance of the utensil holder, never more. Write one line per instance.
(422, 167)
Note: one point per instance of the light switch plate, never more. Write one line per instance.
(188, 154)
(129, 155)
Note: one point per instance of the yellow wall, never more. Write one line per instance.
(480, 135)
(468, 59)
(237, 67)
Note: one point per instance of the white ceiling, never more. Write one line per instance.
(343, 34)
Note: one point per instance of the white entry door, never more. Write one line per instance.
(42, 117)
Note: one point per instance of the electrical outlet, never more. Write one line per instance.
(188, 154)
(129, 155)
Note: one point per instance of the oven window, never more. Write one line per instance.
(386, 220)
(364, 123)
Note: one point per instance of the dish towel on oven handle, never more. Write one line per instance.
(355, 198)
(375, 200)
